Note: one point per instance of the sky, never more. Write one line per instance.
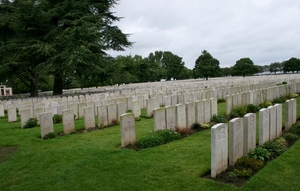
(266, 31)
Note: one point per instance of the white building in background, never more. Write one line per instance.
(4, 91)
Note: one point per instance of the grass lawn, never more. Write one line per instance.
(94, 161)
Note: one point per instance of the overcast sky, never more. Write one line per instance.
(266, 31)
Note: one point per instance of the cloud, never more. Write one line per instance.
(265, 31)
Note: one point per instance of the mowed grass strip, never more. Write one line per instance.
(94, 161)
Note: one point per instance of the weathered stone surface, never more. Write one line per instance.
(127, 125)
(219, 149)
(46, 124)
(236, 144)
(89, 117)
(180, 117)
(102, 116)
(278, 119)
(159, 119)
(249, 132)
(12, 113)
(190, 114)
(25, 116)
(170, 117)
(264, 126)
(68, 121)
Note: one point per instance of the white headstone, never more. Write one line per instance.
(180, 117)
(236, 144)
(207, 110)
(46, 123)
(159, 119)
(278, 119)
(102, 116)
(127, 125)
(219, 149)
(249, 132)
(136, 108)
(272, 123)
(74, 108)
(264, 126)
(2, 110)
(200, 112)
(170, 117)
(25, 116)
(68, 121)
(89, 117)
(288, 114)
(190, 114)
(121, 109)
(112, 114)
(12, 113)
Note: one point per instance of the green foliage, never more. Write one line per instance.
(57, 118)
(51, 135)
(292, 65)
(158, 138)
(206, 66)
(243, 173)
(232, 174)
(221, 100)
(265, 104)
(196, 126)
(290, 136)
(278, 100)
(129, 111)
(244, 67)
(205, 125)
(253, 163)
(277, 146)
(30, 123)
(284, 83)
(218, 119)
(252, 108)
(294, 95)
(238, 111)
(259, 153)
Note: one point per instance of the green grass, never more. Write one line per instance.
(94, 161)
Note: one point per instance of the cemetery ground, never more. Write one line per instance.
(94, 161)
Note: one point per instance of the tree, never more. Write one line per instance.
(185, 74)
(243, 67)
(275, 67)
(226, 71)
(65, 38)
(206, 66)
(292, 65)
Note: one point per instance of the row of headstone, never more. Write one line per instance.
(183, 116)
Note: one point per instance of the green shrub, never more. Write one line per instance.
(253, 163)
(196, 126)
(221, 100)
(290, 136)
(57, 118)
(284, 82)
(252, 108)
(30, 123)
(205, 125)
(218, 119)
(145, 117)
(259, 153)
(243, 173)
(278, 100)
(294, 95)
(129, 111)
(238, 111)
(276, 147)
(51, 135)
(158, 138)
(265, 104)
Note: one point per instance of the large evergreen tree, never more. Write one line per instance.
(65, 38)
(243, 67)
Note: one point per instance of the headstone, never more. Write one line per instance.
(25, 116)
(219, 149)
(180, 117)
(294, 106)
(2, 110)
(288, 114)
(74, 108)
(272, 123)
(102, 116)
(207, 110)
(89, 117)
(12, 113)
(127, 125)
(167, 101)
(121, 109)
(214, 106)
(150, 107)
(278, 119)
(228, 104)
(170, 117)
(136, 109)
(236, 144)
(249, 132)
(68, 121)
(81, 107)
(46, 123)
(200, 114)
(112, 114)
(264, 126)
(190, 114)
(159, 119)
(174, 100)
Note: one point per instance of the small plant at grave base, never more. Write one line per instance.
(295, 129)
(294, 95)
(259, 153)
(221, 100)
(129, 111)
(196, 126)
(252, 108)
(290, 136)
(238, 111)
(183, 131)
(137, 119)
(218, 119)
(162, 106)
(284, 82)
(158, 138)
(253, 163)
(243, 173)
(232, 174)
(51, 135)
(265, 104)
(278, 100)
(145, 117)
(275, 147)
(57, 118)
(30, 123)
(205, 125)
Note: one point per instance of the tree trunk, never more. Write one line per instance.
(58, 84)
(34, 91)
